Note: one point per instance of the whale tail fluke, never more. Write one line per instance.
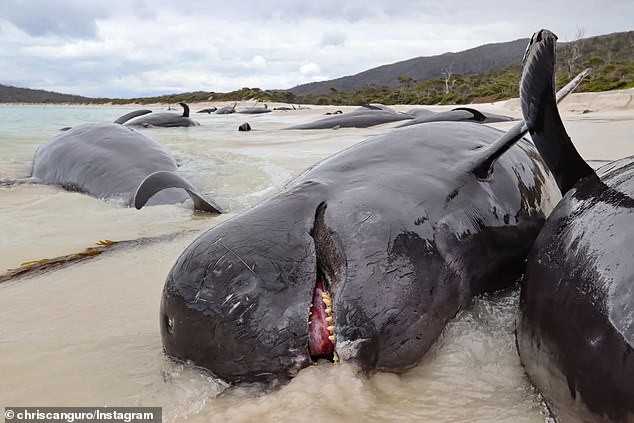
(123, 119)
(541, 117)
(539, 109)
(161, 180)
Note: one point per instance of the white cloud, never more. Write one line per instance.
(258, 62)
(309, 69)
(122, 48)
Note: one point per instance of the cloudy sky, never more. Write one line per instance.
(130, 48)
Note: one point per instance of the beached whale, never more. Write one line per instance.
(226, 110)
(162, 119)
(459, 114)
(255, 110)
(363, 258)
(575, 329)
(376, 114)
(111, 161)
(363, 117)
(208, 110)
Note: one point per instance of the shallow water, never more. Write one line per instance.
(88, 334)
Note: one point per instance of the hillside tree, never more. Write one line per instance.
(446, 77)
(574, 50)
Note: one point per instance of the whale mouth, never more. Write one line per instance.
(321, 334)
(321, 324)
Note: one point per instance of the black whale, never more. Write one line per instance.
(575, 329)
(400, 231)
(111, 161)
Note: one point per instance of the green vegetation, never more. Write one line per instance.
(198, 96)
(610, 56)
(479, 88)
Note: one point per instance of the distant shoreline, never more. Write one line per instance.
(16, 104)
(176, 107)
(584, 102)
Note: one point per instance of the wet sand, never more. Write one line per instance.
(87, 335)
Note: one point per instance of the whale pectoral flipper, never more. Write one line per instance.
(161, 180)
(123, 119)
(481, 165)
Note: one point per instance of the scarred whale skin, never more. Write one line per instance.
(400, 228)
(576, 325)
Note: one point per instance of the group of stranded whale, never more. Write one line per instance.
(366, 256)
(370, 115)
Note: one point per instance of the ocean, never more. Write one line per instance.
(88, 334)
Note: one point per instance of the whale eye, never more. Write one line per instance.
(169, 325)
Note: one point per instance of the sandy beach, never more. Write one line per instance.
(88, 334)
(599, 123)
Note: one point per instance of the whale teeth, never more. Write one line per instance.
(322, 319)
(327, 299)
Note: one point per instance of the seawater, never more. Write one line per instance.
(88, 334)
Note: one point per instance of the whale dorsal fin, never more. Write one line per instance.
(477, 115)
(123, 119)
(161, 180)
(535, 72)
(185, 109)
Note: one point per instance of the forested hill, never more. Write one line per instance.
(9, 94)
(608, 49)
(476, 60)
